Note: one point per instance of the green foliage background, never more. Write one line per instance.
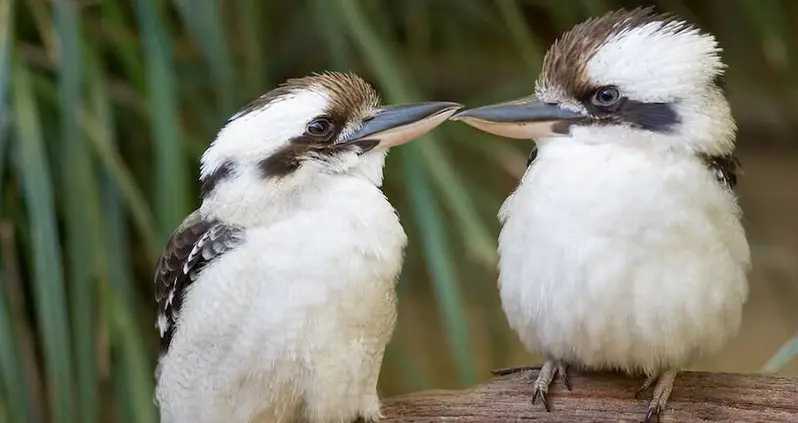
(106, 106)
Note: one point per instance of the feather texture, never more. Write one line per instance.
(194, 244)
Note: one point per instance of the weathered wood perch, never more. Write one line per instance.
(605, 397)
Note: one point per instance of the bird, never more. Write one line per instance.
(276, 297)
(622, 247)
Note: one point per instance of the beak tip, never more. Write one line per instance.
(452, 107)
(459, 115)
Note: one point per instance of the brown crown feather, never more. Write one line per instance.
(565, 63)
(350, 95)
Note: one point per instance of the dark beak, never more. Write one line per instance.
(526, 118)
(394, 125)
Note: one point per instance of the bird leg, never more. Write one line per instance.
(647, 384)
(548, 371)
(540, 388)
(662, 391)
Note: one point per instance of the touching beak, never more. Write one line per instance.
(395, 125)
(522, 119)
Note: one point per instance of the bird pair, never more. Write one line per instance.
(621, 248)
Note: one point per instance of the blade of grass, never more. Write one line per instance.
(41, 20)
(783, 356)
(411, 377)
(171, 199)
(434, 244)
(111, 160)
(339, 53)
(81, 213)
(24, 339)
(123, 42)
(47, 276)
(566, 14)
(529, 47)
(504, 155)
(480, 243)
(138, 371)
(203, 19)
(6, 28)
(13, 378)
(254, 38)
(771, 25)
(131, 372)
(439, 264)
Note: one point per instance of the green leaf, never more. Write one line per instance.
(81, 210)
(13, 379)
(203, 18)
(171, 200)
(6, 32)
(254, 37)
(440, 264)
(477, 238)
(783, 356)
(47, 279)
(528, 46)
(124, 42)
(132, 371)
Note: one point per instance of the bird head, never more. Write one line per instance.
(329, 123)
(633, 77)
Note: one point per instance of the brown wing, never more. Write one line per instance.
(724, 168)
(194, 244)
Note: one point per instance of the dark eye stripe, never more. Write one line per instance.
(656, 117)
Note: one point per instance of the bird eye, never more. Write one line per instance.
(605, 97)
(319, 128)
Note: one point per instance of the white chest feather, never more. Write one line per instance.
(615, 257)
(294, 321)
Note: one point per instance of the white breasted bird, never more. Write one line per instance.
(622, 246)
(276, 297)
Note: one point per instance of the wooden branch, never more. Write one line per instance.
(606, 397)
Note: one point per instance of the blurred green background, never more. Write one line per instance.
(106, 106)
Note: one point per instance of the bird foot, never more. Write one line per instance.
(647, 384)
(540, 388)
(662, 391)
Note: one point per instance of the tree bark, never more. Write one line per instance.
(605, 397)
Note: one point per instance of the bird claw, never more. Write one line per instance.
(511, 370)
(544, 397)
(647, 384)
(662, 391)
(653, 414)
(547, 371)
(562, 371)
(540, 388)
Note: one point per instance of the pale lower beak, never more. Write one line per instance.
(395, 125)
(522, 119)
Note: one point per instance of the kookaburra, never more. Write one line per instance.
(622, 246)
(276, 297)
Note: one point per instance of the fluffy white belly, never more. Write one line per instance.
(614, 258)
(291, 324)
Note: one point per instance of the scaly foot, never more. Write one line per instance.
(540, 388)
(662, 391)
